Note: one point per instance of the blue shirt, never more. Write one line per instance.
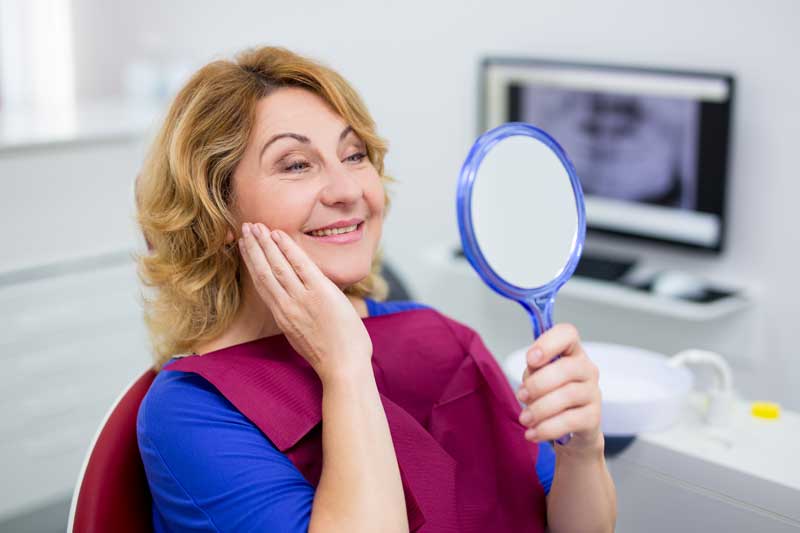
(210, 469)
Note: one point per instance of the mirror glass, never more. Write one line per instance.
(524, 212)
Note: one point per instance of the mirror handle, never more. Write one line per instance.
(541, 313)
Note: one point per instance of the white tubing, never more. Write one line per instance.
(720, 397)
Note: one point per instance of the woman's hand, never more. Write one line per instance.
(564, 396)
(317, 318)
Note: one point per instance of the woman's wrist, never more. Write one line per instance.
(591, 449)
(348, 376)
(582, 496)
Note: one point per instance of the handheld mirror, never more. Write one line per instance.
(522, 218)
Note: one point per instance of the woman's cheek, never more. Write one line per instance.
(377, 198)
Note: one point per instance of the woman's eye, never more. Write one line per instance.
(356, 158)
(296, 166)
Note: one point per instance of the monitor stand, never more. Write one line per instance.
(603, 267)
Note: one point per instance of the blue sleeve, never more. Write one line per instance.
(375, 308)
(546, 465)
(210, 469)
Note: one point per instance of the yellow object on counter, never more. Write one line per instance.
(767, 410)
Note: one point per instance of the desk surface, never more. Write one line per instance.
(740, 478)
(766, 449)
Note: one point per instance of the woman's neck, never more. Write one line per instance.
(254, 321)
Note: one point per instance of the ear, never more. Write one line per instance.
(229, 237)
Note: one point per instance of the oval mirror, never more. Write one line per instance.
(521, 216)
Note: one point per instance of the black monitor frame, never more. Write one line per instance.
(713, 144)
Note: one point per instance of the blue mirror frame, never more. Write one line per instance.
(537, 301)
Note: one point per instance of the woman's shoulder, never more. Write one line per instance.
(170, 386)
(180, 400)
(195, 445)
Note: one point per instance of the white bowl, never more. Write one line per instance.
(641, 391)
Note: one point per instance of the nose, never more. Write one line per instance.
(341, 187)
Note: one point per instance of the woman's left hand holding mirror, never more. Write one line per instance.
(561, 397)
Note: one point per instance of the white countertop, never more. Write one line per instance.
(761, 448)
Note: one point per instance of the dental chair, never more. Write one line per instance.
(112, 492)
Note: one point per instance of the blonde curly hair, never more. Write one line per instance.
(185, 191)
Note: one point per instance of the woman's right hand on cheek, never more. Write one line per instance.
(319, 321)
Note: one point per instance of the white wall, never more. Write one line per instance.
(416, 64)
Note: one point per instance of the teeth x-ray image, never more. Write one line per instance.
(624, 146)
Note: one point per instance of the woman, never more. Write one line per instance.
(263, 202)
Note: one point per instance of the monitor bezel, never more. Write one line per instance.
(721, 162)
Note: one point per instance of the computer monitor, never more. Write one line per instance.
(650, 146)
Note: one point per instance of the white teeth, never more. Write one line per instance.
(335, 231)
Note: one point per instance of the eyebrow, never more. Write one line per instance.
(300, 138)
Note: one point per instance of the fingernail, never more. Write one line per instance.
(277, 235)
(535, 356)
(246, 229)
(530, 434)
(522, 394)
(258, 230)
(525, 417)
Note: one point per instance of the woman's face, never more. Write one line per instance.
(304, 171)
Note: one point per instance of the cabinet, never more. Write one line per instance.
(739, 478)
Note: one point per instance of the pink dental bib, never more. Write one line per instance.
(464, 462)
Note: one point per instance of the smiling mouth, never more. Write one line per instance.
(335, 231)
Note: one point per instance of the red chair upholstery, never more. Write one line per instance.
(112, 492)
